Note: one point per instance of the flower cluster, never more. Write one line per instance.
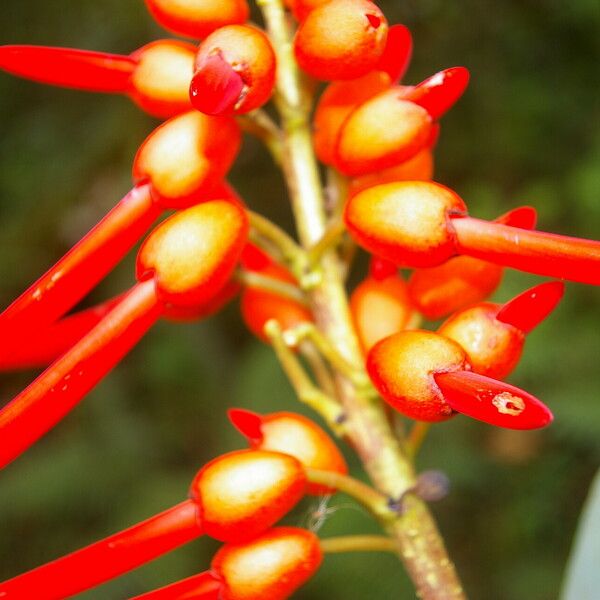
(376, 136)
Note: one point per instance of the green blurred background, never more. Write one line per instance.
(525, 132)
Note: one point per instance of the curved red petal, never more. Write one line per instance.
(397, 53)
(527, 310)
(492, 401)
(441, 91)
(524, 217)
(248, 423)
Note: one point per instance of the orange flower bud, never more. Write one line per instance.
(187, 156)
(402, 368)
(494, 348)
(405, 222)
(243, 493)
(196, 19)
(379, 307)
(459, 282)
(161, 78)
(272, 566)
(293, 434)
(342, 39)
(235, 71)
(192, 254)
(338, 100)
(493, 335)
(417, 168)
(381, 133)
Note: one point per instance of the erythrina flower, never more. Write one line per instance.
(292, 434)
(426, 376)
(341, 39)
(422, 224)
(234, 497)
(234, 71)
(273, 565)
(184, 263)
(493, 335)
(181, 163)
(156, 77)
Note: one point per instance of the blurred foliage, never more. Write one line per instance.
(526, 132)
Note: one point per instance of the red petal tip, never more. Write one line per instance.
(248, 423)
(380, 269)
(527, 310)
(524, 217)
(254, 258)
(492, 401)
(397, 54)
(216, 87)
(440, 92)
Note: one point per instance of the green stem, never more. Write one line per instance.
(287, 248)
(305, 389)
(364, 494)
(261, 126)
(358, 543)
(308, 331)
(333, 237)
(419, 543)
(269, 284)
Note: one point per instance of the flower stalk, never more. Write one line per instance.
(415, 534)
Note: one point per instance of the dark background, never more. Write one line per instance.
(525, 132)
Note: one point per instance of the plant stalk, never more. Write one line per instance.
(418, 541)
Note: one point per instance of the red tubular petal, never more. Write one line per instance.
(527, 310)
(74, 275)
(54, 341)
(216, 88)
(397, 54)
(60, 387)
(440, 92)
(107, 558)
(492, 401)
(248, 423)
(536, 252)
(68, 67)
(524, 217)
(205, 586)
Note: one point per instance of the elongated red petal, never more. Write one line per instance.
(205, 586)
(397, 54)
(107, 558)
(68, 67)
(74, 275)
(527, 310)
(60, 387)
(440, 92)
(248, 423)
(492, 401)
(537, 252)
(216, 87)
(54, 341)
(524, 217)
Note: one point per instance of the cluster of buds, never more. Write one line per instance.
(374, 133)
